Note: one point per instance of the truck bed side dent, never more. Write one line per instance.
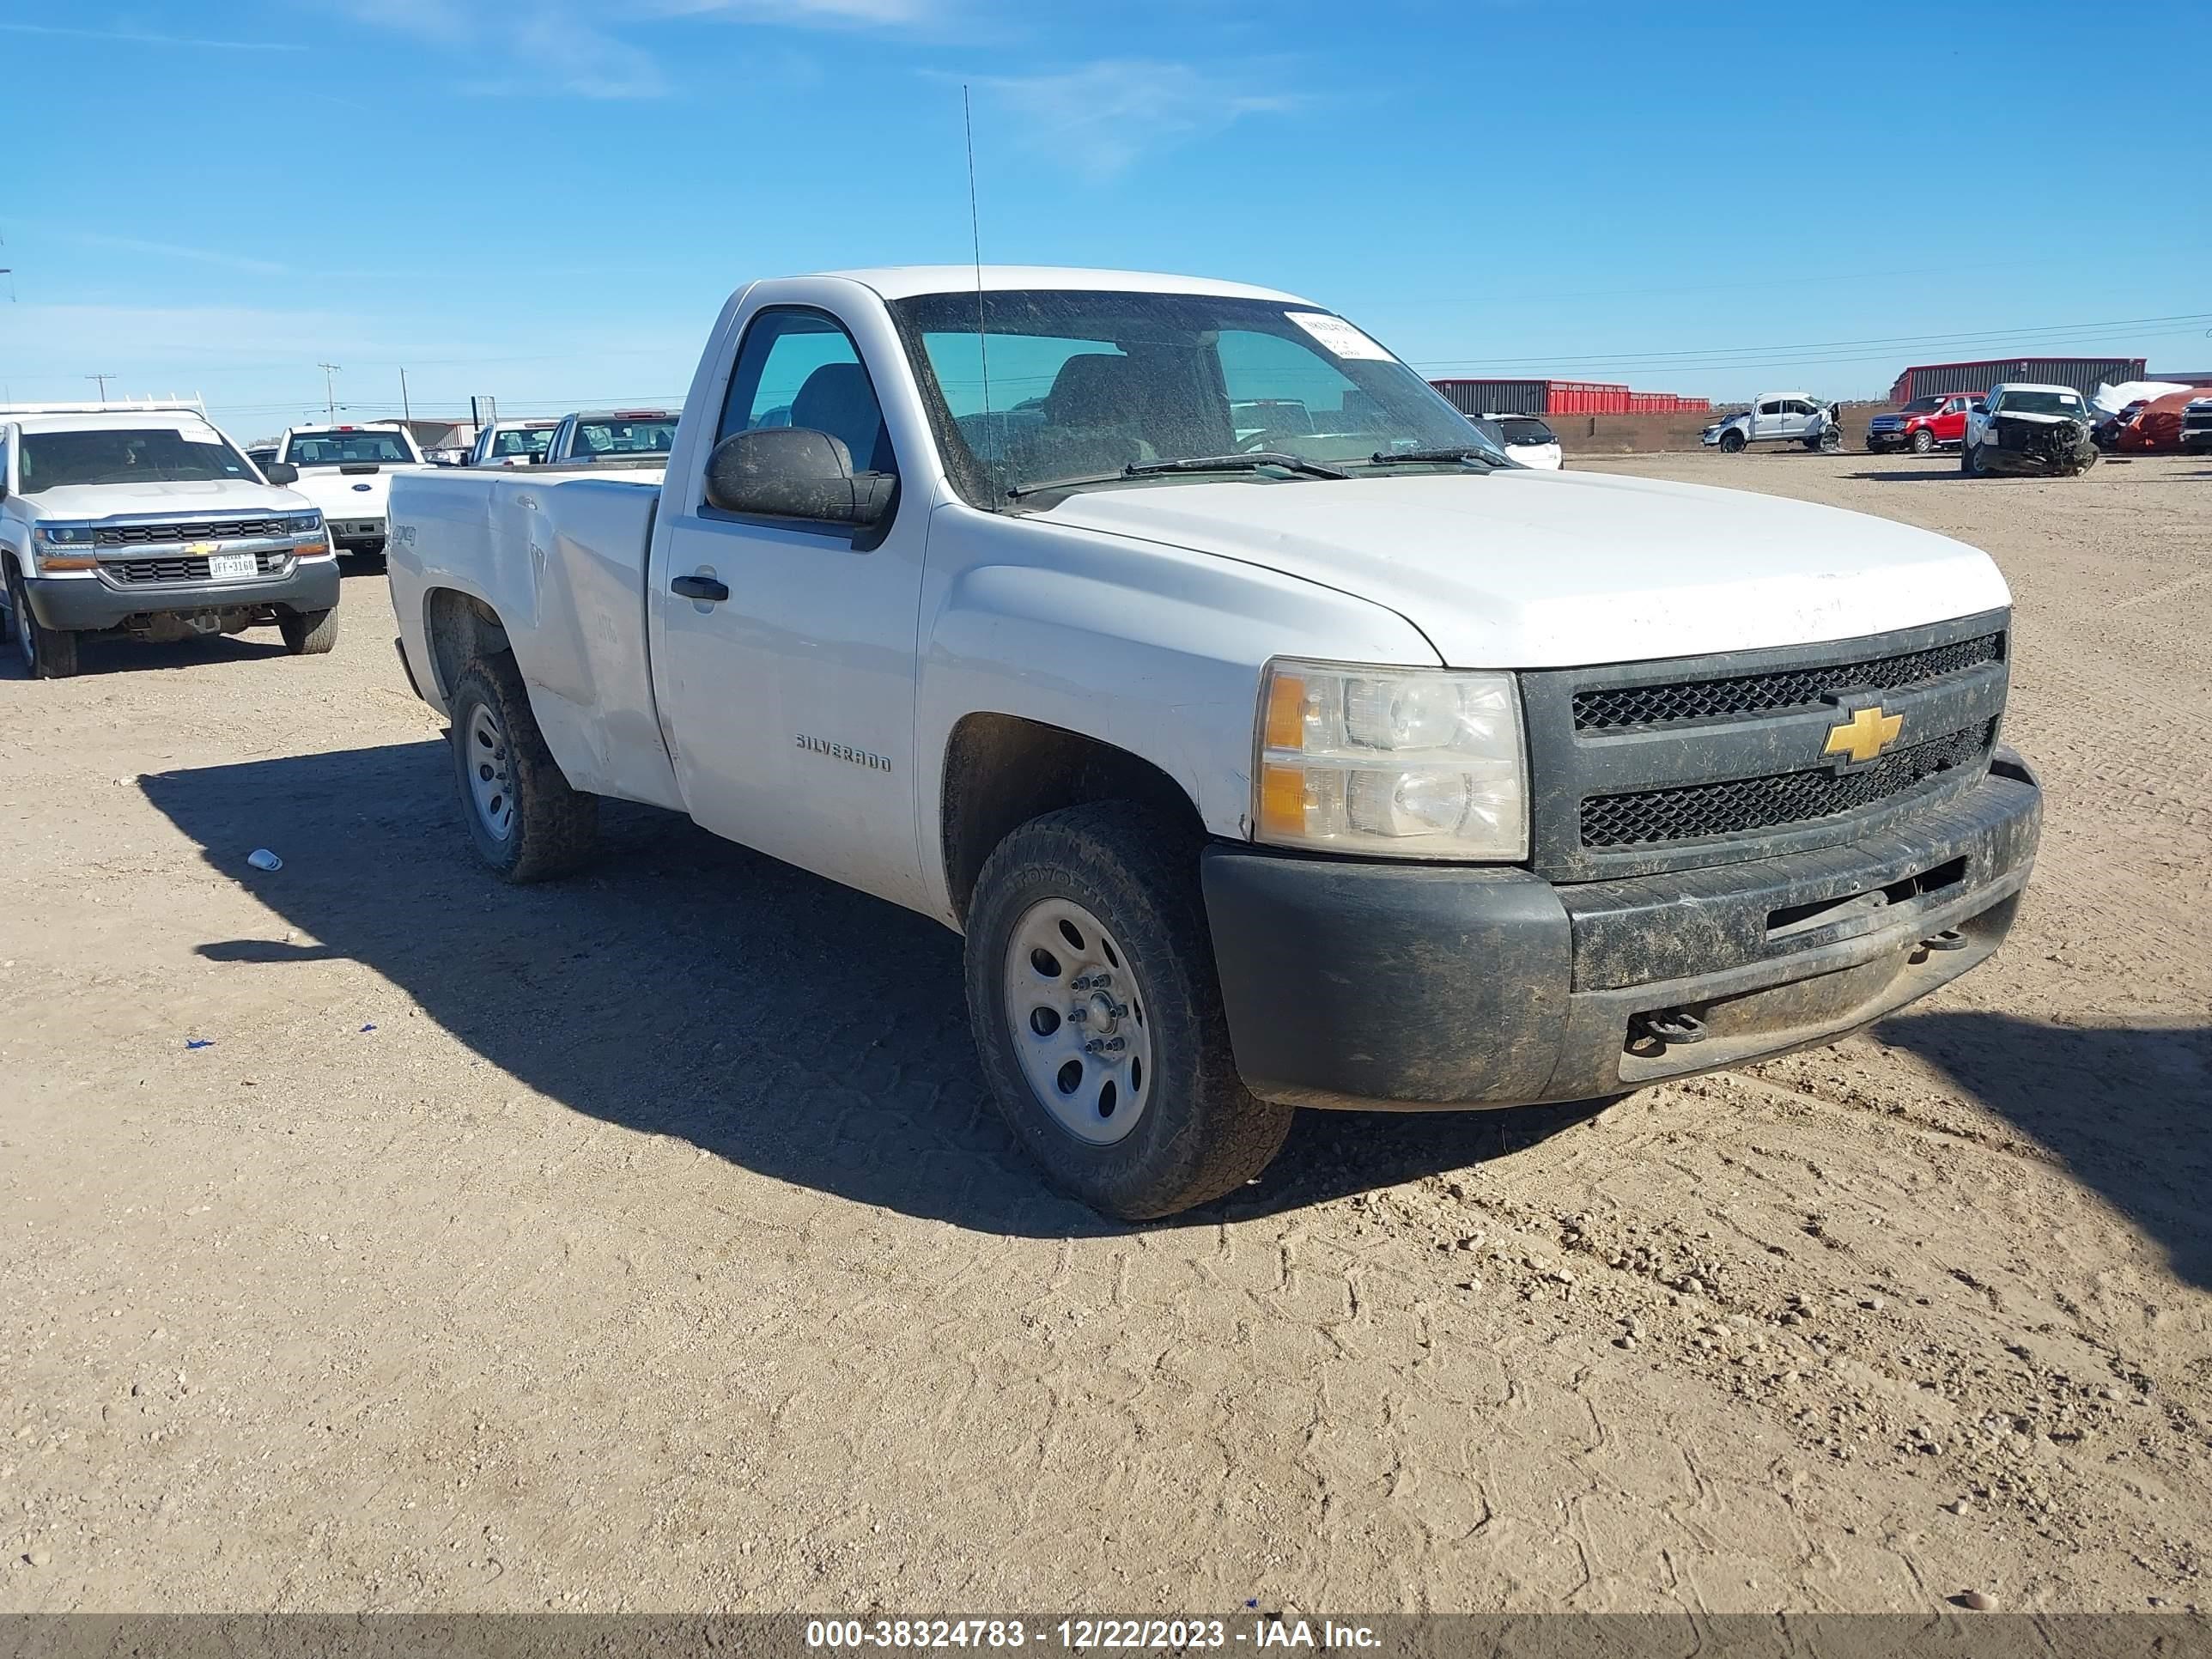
(561, 560)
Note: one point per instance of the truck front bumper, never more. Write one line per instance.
(87, 604)
(1427, 987)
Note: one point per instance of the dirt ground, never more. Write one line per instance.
(643, 1242)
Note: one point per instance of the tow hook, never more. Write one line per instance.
(1949, 939)
(1668, 1027)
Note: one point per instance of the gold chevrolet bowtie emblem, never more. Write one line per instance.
(1865, 735)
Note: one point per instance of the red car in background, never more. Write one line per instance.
(1924, 424)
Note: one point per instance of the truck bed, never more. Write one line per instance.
(560, 557)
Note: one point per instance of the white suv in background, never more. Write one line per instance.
(1529, 440)
(347, 471)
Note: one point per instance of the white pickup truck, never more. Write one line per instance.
(347, 471)
(150, 522)
(1335, 762)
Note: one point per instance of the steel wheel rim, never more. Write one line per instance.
(491, 784)
(1077, 1017)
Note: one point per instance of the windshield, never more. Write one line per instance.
(522, 440)
(1922, 406)
(1084, 383)
(52, 460)
(346, 448)
(655, 437)
(2041, 402)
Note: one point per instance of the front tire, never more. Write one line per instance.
(1731, 443)
(527, 823)
(1122, 1086)
(46, 653)
(308, 633)
(1922, 441)
(1971, 462)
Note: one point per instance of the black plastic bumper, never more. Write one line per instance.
(84, 604)
(1401, 986)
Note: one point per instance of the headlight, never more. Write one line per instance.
(1391, 763)
(63, 547)
(304, 523)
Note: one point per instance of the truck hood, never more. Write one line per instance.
(72, 502)
(1528, 569)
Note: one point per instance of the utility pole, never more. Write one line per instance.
(329, 390)
(406, 414)
(102, 380)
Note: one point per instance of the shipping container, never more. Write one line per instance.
(2083, 374)
(1559, 398)
(1495, 397)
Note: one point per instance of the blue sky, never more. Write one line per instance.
(547, 200)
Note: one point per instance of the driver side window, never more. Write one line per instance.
(800, 369)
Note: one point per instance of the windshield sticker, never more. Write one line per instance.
(1339, 336)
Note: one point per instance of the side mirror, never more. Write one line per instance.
(281, 472)
(795, 472)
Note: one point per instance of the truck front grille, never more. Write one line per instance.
(1620, 708)
(141, 535)
(1699, 811)
(1642, 767)
(143, 572)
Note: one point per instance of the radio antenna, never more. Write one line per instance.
(975, 234)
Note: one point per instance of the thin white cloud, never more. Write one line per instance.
(557, 47)
(805, 14)
(174, 251)
(558, 52)
(139, 36)
(550, 48)
(1102, 115)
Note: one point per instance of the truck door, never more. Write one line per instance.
(1766, 421)
(789, 706)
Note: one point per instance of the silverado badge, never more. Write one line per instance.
(1866, 734)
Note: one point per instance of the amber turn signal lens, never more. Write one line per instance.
(1287, 712)
(68, 561)
(1283, 801)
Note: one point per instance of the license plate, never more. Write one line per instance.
(232, 567)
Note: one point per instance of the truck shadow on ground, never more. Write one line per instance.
(117, 655)
(2127, 1108)
(684, 986)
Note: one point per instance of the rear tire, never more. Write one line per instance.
(1731, 442)
(1099, 877)
(527, 823)
(308, 633)
(46, 653)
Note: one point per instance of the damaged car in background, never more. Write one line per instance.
(2027, 428)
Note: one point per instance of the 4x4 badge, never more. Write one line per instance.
(1866, 734)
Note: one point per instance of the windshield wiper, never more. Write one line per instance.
(1251, 461)
(1456, 452)
(1257, 460)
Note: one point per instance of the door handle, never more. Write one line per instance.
(699, 587)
